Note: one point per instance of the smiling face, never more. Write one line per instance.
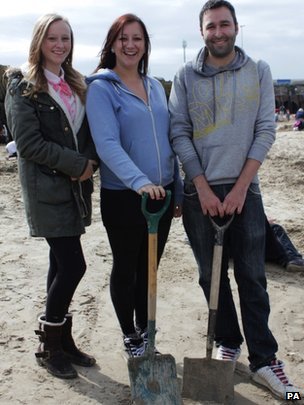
(219, 32)
(129, 47)
(56, 46)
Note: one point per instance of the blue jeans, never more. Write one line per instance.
(246, 247)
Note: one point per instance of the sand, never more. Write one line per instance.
(181, 307)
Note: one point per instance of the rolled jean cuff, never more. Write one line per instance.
(263, 363)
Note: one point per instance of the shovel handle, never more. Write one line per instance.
(220, 230)
(215, 280)
(154, 217)
(217, 261)
(152, 222)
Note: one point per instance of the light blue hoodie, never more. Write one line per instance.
(222, 117)
(131, 137)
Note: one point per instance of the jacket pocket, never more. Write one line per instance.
(52, 187)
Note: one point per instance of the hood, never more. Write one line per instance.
(104, 74)
(200, 66)
(115, 80)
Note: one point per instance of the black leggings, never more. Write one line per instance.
(128, 236)
(67, 267)
(129, 277)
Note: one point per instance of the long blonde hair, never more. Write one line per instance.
(35, 68)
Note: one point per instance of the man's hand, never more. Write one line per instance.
(234, 201)
(210, 203)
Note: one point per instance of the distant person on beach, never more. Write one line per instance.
(280, 249)
(129, 119)
(3, 121)
(56, 154)
(299, 114)
(299, 120)
(222, 126)
(282, 111)
(3, 134)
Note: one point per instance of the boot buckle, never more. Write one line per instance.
(41, 334)
(43, 355)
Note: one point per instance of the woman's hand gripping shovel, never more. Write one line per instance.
(153, 376)
(209, 379)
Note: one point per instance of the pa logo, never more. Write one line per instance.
(293, 396)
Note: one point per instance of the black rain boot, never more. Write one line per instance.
(70, 349)
(50, 354)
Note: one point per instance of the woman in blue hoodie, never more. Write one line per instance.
(129, 120)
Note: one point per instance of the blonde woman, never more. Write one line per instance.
(46, 115)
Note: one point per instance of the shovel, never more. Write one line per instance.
(153, 378)
(209, 379)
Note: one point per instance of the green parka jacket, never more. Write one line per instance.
(50, 152)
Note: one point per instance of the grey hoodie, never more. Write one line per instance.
(221, 117)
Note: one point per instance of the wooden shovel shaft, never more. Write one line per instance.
(215, 282)
(216, 276)
(152, 276)
(152, 222)
(214, 296)
(152, 290)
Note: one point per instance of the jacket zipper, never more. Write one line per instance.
(153, 123)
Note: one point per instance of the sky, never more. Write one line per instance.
(272, 30)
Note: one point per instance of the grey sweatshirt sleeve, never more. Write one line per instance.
(264, 132)
(181, 132)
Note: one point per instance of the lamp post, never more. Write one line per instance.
(184, 44)
(242, 42)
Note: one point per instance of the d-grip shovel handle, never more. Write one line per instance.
(215, 280)
(154, 217)
(220, 230)
(152, 222)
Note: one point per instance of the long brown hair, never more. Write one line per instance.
(108, 58)
(35, 59)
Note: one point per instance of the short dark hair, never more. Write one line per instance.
(212, 4)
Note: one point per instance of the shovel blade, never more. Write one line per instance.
(153, 380)
(208, 380)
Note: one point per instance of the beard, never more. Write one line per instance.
(223, 50)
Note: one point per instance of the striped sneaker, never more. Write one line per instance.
(134, 345)
(274, 378)
(225, 353)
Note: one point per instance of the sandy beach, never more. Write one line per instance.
(181, 308)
